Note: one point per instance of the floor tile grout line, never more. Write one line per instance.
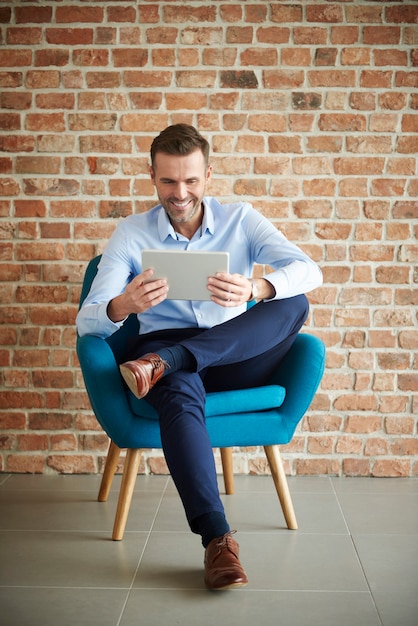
(365, 577)
(122, 611)
(356, 552)
(5, 479)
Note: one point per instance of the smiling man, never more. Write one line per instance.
(186, 348)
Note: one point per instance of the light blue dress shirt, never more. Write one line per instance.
(236, 228)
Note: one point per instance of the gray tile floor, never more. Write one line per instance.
(353, 561)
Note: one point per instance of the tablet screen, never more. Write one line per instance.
(186, 271)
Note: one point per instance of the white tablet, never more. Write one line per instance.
(186, 271)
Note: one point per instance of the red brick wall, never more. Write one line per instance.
(311, 111)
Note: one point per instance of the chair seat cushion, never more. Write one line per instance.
(224, 402)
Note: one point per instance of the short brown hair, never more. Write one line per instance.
(179, 139)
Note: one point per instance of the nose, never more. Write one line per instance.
(180, 191)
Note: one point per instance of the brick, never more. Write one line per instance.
(239, 34)
(406, 79)
(29, 293)
(90, 57)
(32, 442)
(286, 13)
(38, 165)
(344, 34)
(273, 123)
(268, 101)
(9, 121)
(56, 143)
(321, 445)
(356, 467)
(395, 275)
(71, 14)
(391, 468)
(50, 186)
(94, 442)
(283, 79)
(5, 15)
(408, 382)
(25, 463)
(15, 58)
(273, 35)
(394, 404)
(63, 442)
(121, 14)
(9, 187)
(341, 122)
(196, 79)
(107, 143)
(58, 57)
(11, 79)
(399, 425)
(72, 463)
(250, 187)
(309, 467)
(190, 57)
(406, 145)
(69, 36)
(363, 424)
(376, 79)
(8, 442)
(408, 339)
(355, 56)
(369, 232)
(115, 208)
(103, 80)
(130, 35)
(245, 79)
(93, 121)
(349, 445)
(326, 56)
(260, 56)
(269, 165)
(42, 79)
(161, 35)
(405, 446)
(55, 101)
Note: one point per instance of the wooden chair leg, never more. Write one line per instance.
(280, 481)
(109, 472)
(130, 471)
(227, 468)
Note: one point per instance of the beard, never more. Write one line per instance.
(181, 212)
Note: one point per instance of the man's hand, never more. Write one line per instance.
(141, 294)
(234, 289)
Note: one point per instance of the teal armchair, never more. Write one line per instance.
(263, 416)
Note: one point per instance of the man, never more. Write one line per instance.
(186, 349)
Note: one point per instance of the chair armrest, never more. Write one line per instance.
(300, 372)
(104, 386)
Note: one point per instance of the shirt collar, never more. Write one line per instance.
(165, 228)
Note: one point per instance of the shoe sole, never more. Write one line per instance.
(130, 379)
(226, 587)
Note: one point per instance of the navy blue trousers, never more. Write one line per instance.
(240, 353)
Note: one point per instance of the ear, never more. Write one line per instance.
(152, 174)
(209, 173)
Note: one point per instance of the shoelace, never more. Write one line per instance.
(157, 363)
(225, 541)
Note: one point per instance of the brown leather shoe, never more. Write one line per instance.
(142, 374)
(222, 567)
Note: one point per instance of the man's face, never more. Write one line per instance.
(180, 182)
